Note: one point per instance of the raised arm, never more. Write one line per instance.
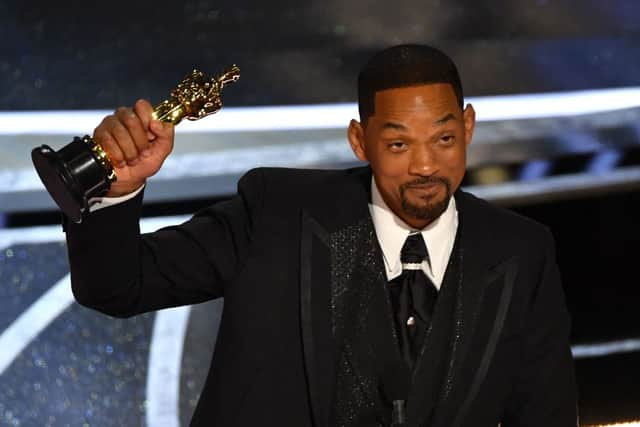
(116, 270)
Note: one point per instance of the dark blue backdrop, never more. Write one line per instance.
(78, 54)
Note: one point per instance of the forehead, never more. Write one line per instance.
(428, 100)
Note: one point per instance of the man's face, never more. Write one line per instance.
(415, 142)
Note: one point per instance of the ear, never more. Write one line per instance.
(469, 117)
(355, 134)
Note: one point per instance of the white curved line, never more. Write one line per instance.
(54, 233)
(34, 320)
(556, 185)
(331, 116)
(583, 351)
(621, 424)
(25, 235)
(163, 375)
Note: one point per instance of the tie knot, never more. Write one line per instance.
(414, 251)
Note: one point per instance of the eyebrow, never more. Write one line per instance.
(401, 127)
(445, 119)
(394, 126)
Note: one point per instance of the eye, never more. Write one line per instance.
(397, 146)
(447, 139)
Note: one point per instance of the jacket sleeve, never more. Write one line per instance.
(118, 271)
(544, 393)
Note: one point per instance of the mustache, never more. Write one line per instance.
(426, 180)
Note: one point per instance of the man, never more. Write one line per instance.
(328, 320)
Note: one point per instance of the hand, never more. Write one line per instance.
(136, 145)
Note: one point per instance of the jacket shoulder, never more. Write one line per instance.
(332, 197)
(307, 175)
(503, 224)
(302, 183)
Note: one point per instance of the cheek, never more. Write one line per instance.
(390, 165)
(455, 168)
(390, 174)
(455, 160)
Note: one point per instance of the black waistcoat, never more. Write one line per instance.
(365, 339)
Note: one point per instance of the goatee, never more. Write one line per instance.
(429, 210)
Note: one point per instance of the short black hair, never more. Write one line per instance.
(402, 66)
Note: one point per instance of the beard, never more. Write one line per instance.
(430, 209)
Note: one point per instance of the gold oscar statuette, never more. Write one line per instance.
(81, 169)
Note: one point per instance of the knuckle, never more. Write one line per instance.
(127, 116)
(130, 120)
(120, 111)
(141, 104)
(102, 137)
(104, 124)
(98, 133)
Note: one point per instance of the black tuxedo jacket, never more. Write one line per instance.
(285, 251)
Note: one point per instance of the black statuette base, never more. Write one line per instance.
(72, 176)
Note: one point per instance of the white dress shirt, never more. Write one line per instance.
(439, 237)
(97, 203)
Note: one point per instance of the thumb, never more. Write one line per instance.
(161, 130)
(164, 134)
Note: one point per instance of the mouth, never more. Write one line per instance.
(425, 190)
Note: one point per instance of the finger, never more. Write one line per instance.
(162, 129)
(125, 142)
(108, 143)
(134, 126)
(144, 111)
(164, 136)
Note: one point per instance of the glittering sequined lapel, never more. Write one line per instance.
(340, 269)
(362, 324)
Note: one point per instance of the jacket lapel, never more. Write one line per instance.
(490, 318)
(363, 323)
(484, 297)
(315, 317)
(342, 284)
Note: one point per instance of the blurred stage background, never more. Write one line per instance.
(556, 85)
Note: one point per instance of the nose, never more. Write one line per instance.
(423, 161)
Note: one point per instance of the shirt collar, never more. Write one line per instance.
(392, 232)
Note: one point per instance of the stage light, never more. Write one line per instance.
(623, 424)
(333, 116)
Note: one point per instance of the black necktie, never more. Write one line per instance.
(413, 297)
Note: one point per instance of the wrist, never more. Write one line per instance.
(119, 191)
